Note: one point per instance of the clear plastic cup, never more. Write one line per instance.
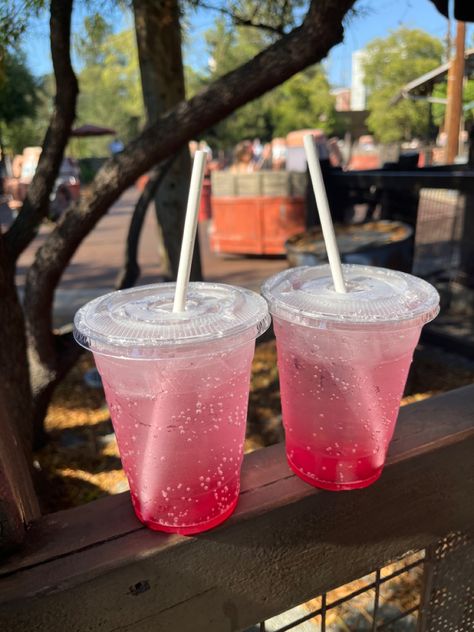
(343, 362)
(177, 387)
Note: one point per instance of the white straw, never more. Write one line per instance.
(332, 249)
(324, 213)
(189, 233)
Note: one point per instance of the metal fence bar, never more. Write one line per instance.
(448, 595)
(434, 198)
(430, 560)
(323, 612)
(438, 232)
(375, 585)
(376, 599)
(446, 600)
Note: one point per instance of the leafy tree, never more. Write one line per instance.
(440, 90)
(230, 47)
(274, 17)
(391, 62)
(14, 18)
(110, 76)
(89, 43)
(165, 82)
(30, 130)
(304, 101)
(18, 95)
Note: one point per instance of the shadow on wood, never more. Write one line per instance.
(96, 567)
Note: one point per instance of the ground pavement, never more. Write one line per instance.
(93, 269)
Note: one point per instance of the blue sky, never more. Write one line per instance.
(375, 19)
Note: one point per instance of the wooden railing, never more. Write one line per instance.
(96, 568)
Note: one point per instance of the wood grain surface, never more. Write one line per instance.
(96, 568)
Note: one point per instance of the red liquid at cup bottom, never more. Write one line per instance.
(180, 428)
(339, 416)
(202, 506)
(324, 472)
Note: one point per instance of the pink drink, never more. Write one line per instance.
(348, 385)
(343, 361)
(177, 388)
(180, 425)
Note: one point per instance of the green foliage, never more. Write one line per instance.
(439, 110)
(392, 62)
(110, 92)
(17, 89)
(30, 131)
(90, 43)
(276, 15)
(230, 47)
(14, 18)
(303, 101)
(21, 100)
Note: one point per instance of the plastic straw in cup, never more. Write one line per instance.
(151, 493)
(189, 233)
(367, 396)
(324, 213)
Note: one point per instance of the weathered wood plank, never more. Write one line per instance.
(286, 542)
(444, 418)
(73, 530)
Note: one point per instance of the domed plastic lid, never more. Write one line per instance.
(140, 322)
(306, 295)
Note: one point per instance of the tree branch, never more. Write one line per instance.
(36, 204)
(241, 21)
(130, 271)
(321, 30)
(43, 350)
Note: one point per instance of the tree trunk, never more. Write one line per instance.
(18, 503)
(158, 33)
(130, 272)
(15, 393)
(47, 362)
(46, 372)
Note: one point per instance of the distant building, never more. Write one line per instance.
(358, 89)
(343, 99)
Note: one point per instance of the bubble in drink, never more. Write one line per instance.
(343, 362)
(177, 388)
(335, 438)
(185, 441)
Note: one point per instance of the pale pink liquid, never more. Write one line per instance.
(180, 426)
(340, 394)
